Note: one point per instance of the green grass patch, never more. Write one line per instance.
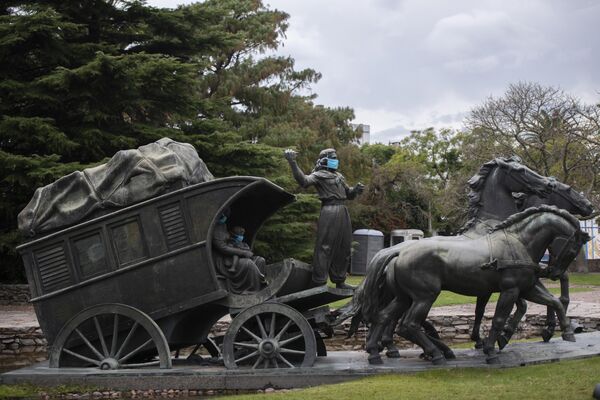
(447, 298)
(561, 381)
(20, 391)
(578, 278)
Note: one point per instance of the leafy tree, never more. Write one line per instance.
(553, 132)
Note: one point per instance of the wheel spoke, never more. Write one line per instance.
(261, 327)
(113, 346)
(256, 338)
(275, 363)
(254, 353)
(290, 351)
(286, 341)
(87, 342)
(246, 345)
(284, 329)
(282, 358)
(101, 336)
(127, 339)
(258, 361)
(272, 329)
(266, 363)
(134, 352)
(83, 358)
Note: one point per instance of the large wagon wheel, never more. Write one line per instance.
(110, 336)
(269, 335)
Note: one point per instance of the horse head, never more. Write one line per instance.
(549, 227)
(492, 187)
(563, 251)
(564, 197)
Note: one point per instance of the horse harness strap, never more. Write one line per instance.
(515, 261)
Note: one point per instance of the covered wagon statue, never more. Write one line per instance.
(122, 269)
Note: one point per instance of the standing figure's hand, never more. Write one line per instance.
(290, 154)
(359, 188)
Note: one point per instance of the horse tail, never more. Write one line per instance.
(375, 272)
(374, 295)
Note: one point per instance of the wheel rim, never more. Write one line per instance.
(110, 336)
(269, 335)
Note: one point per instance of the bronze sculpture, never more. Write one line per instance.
(505, 260)
(235, 262)
(334, 231)
(492, 198)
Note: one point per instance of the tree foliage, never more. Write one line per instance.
(81, 80)
(553, 132)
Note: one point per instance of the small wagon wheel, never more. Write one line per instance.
(110, 336)
(269, 335)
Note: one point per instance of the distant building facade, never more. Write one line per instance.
(366, 133)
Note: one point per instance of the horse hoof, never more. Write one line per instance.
(502, 341)
(438, 360)
(375, 360)
(546, 335)
(568, 336)
(479, 344)
(392, 354)
(449, 355)
(493, 360)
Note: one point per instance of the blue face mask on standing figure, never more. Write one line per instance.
(222, 219)
(333, 163)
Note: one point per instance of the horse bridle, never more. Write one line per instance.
(568, 248)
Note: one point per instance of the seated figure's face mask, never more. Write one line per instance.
(238, 238)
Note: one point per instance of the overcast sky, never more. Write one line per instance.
(411, 64)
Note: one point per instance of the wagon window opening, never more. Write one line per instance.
(91, 254)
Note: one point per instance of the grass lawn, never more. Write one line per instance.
(589, 279)
(562, 381)
(30, 391)
(450, 299)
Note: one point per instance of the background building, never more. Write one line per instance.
(366, 133)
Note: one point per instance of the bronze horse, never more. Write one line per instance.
(505, 260)
(490, 201)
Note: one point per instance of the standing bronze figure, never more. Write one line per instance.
(334, 231)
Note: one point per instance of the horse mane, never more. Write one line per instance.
(518, 217)
(476, 184)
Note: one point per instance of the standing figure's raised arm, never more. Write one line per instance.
(303, 180)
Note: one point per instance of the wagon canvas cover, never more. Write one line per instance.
(128, 177)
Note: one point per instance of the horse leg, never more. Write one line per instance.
(503, 308)
(435, 338)
(387, 340)
(548, 331)
(539, 294)
(479, 311)
(410, 327)
(376, 331)
(513, 322)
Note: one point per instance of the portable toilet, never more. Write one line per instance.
(402, 235)
(369, 242)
